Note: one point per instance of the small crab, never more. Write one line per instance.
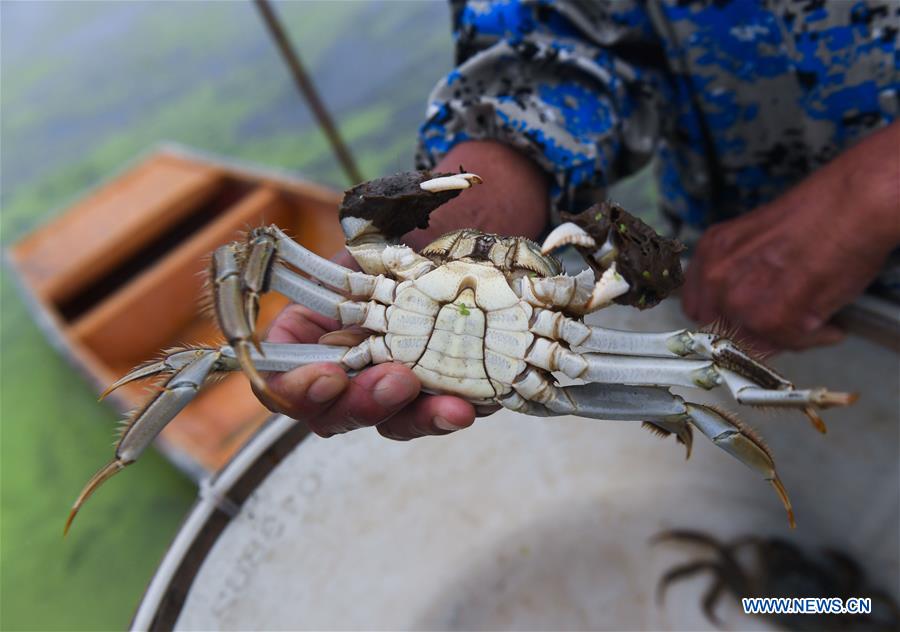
(481, 316)
(777, 568)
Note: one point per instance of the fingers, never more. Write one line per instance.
(331, 403)
(374, 396)
(765, 326)
(297, 323)
(776, 320)
(824, 335)
(745, 276)
(308, 391)
(387, 395)
(709, 271)
(429, 415)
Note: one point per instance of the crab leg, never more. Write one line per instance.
(730, 435)
(536, 395)
(174, 360)
(745, 372)
(275, 356)
(282, 357)
(599, 401)
(305, 292)
(618, 342)
(354, 283)
(189, 369)
(753, 384)
(147, 422)
(233, 292)
(370, 315)
(666, 344)
(602, 401)
(753, 389)
(240, 276)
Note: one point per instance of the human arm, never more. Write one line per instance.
(783, 270)
(576, 87)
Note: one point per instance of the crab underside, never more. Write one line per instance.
(484, 317)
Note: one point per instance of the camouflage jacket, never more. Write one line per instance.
(737, 100)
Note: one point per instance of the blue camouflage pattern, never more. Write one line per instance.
(737, 100)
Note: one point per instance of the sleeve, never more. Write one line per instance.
(574, 85)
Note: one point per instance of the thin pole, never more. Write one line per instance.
(308, 90)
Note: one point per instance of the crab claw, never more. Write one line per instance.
(455, 182)
(567, 234)
(385, 209)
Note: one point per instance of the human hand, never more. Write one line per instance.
(782, 271)
(386, 396)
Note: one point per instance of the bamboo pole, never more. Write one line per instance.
(308, 90)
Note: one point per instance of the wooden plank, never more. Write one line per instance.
(151, 310)
(102, 229)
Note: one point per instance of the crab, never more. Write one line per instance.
(484, 317)
(775, 567)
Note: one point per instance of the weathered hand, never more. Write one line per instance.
(781, 271)
(386, 396)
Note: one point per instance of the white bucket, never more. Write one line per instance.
(525, 523)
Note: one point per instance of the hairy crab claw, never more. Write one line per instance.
(604, 232)
(483, 317)
(456, 182)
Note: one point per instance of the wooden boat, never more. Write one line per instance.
(119, 276)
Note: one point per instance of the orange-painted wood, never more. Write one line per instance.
(120, 276)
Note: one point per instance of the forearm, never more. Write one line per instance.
(857, 193)
(870, 185)
(514, 199)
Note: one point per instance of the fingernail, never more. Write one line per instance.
(393, 389)
(326, 388)
(444, 424)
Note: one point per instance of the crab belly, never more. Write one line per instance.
(462, 330)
